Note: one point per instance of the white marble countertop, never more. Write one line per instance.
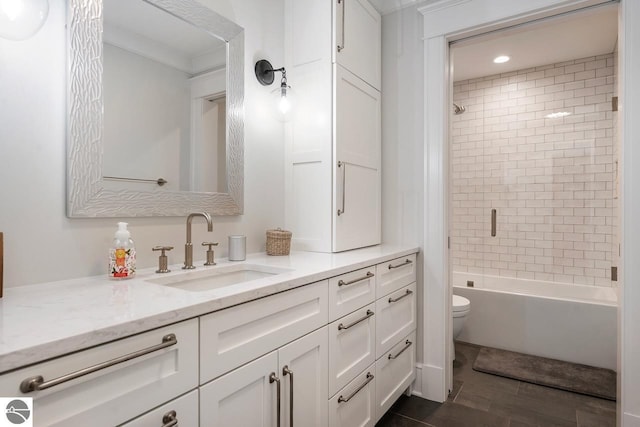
(42, 321)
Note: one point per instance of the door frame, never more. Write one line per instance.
(448, 20)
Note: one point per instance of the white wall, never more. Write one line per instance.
(402, 133)
(40, 243)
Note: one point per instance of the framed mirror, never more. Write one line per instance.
(155, 109)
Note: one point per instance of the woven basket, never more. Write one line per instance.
(278, 242)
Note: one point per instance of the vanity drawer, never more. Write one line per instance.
(234, 336)
(395, 318)
(395, 371)
(395, 274)
(165, 365)
(350, 291)
(352, 346)
(355, 404)
(183, 409)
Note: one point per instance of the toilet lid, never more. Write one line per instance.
(460, 303)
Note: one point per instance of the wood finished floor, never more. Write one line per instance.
(484, 400)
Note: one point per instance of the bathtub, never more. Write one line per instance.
(574, 323)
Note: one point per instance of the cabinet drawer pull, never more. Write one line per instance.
(170, 419)
(407, 345)
(369, 379)
(37, 382)
(359, 279)
(343, 165)
(366, 316)
(406, 262)
(406, 294)
(273, 378)
(287, 371)
(341, 46)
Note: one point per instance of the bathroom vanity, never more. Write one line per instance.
(316, 339)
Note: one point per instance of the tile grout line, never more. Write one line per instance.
(413, 419)
(458, 393)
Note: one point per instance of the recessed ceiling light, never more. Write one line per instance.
(557, 115)
(501, 59)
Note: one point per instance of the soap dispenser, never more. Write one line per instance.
(122, 255)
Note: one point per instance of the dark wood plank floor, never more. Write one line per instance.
(480, 400)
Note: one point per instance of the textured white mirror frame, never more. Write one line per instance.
(86, 194)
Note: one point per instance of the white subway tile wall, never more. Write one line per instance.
(551, 180)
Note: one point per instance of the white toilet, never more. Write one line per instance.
(461, 308)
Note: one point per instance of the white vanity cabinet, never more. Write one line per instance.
(372, 352)
(333, 141)
(290, 383)
(112, 383)
(396, 314)
(335, 352)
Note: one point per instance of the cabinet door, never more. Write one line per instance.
(358, 129)
(356, 216)
(351, 291)
(244, 397)
(395, 274)
(303, 365)
(352, 346)
(183, 410)
(358, 39)
(395, 371)
(395, 318)
(354, 405)
(112, 383)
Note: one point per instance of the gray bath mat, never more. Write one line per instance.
(568, 376)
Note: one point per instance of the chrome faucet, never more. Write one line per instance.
(188, 247)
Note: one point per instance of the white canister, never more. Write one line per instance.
(237, 248)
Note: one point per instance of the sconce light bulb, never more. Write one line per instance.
(284, 105)
(20, 19)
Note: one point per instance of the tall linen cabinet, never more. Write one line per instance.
(333, 138)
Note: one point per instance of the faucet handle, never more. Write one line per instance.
(162, 259)
(210, 260)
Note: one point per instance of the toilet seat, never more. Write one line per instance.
(461, 306)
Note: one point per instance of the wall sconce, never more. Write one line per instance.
(20, 19)
(265, 75)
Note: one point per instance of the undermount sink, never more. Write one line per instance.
(219, 277)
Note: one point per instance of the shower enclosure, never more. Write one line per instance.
(534, 174)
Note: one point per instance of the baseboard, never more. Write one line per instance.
(630, 420)
(430, 383)
(416, 387)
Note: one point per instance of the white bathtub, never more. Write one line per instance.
(561, 321)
